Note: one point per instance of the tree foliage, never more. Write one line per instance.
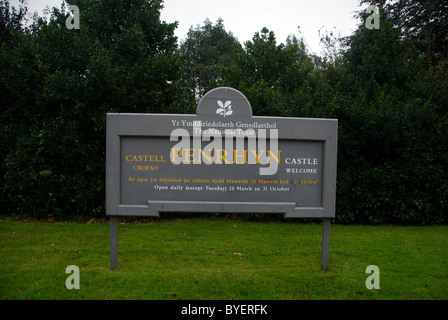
(389, 96)
(423, 22)
(393, 142)
(271, 74)
(393, 146)
(122, 59)
(11, 18)
(206, 50)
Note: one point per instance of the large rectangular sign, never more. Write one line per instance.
(222, 159)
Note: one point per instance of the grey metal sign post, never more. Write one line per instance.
(222, 160)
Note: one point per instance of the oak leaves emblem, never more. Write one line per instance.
(225, 109)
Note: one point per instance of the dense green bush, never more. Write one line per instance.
(391, 164)
(393, 143)
(122, 59)
(59, 84)
(392, 113)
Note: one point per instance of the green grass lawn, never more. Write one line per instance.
(221, 259)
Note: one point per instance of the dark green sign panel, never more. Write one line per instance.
(147, 173)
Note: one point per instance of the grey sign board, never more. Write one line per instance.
(222, 160)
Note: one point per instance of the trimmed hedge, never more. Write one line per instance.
(59, 84)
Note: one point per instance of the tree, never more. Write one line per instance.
(11, 18)
(380, 57)
(122, 59)
(271, 75)
(11, 22)
(206, 50)
(423, 22)
(392, 145)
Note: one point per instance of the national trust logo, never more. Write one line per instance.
(225, 109)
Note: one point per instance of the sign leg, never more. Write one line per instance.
(113, 242)
(326, 244)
